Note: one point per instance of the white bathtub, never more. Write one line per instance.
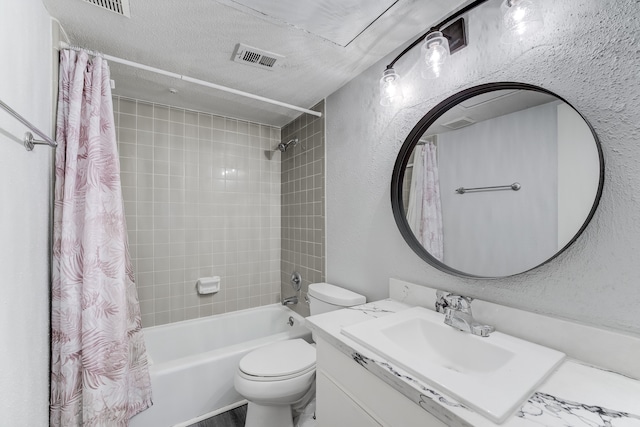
(193, 362)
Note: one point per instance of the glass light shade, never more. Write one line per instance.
(435, 52)
(390, 90)
(521, 18)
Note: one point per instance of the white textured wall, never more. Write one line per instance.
(25, 84)
(589, 54)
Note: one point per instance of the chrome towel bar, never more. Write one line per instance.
(515, 187)
(29, 142)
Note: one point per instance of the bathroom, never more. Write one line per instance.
(587, 54)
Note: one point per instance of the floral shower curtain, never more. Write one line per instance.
(99, 372)
(424, 213)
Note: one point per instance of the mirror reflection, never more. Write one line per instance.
(501, 182)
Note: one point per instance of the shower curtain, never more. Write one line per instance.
(424, 213)
(99, 372)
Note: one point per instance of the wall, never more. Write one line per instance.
(201, 199)
(303, 220)
(25, 178)
(589, 55)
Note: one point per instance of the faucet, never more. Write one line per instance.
(457, 314)
(290, 301)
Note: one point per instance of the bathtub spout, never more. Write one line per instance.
(290, 301)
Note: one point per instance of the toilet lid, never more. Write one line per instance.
(279, 359)
(335, 295)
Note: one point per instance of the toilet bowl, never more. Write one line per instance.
(274, 377)
(278, 376)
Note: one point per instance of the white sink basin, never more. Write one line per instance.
(492, 375)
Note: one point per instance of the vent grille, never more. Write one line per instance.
(459, 123)
(255, 57)
(267, 61)
(251, 56)
(121, 7)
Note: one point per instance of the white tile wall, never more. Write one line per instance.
(201, 199)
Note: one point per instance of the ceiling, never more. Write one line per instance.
(325, 43)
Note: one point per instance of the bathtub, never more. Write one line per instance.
(194, 361)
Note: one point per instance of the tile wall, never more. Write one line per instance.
(303, 219)
(201, 199)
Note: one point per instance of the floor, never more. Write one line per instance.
(232, 418)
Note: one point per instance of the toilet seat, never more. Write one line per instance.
(279, 361)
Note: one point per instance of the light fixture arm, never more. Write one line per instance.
(437, 27)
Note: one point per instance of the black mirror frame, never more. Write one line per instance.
(417, 132)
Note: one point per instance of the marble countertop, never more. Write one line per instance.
(576, 394)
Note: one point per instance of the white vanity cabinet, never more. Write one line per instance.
(337, 407)
(349, 395)
(371, 391)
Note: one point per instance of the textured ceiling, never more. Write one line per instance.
(197, 38)
(339, 21)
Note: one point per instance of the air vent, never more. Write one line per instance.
(459, 123)
(255, 57)
(121, 7)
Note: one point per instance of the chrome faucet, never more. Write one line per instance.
(457, 314)
(290, 301)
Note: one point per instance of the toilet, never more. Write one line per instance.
(279, 376)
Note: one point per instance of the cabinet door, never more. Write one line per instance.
(334, 408)
(385, 405)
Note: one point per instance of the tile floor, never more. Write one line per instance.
(233, 418)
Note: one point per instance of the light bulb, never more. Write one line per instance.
(390, 90)
(521, 18)
(435, 52)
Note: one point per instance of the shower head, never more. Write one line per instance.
(282, 147)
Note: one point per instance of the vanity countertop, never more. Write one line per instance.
(576, 394)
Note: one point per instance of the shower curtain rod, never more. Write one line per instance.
(64, 45)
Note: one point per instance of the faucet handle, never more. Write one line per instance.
(482, 330)
(460, 302)
(449, 300)
(441, 301)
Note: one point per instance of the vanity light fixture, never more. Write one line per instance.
(520, 18)
(435, 52)
(390, 89)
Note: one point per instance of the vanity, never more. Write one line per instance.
(493, 182)
(357, 386)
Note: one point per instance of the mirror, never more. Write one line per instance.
(497, 180)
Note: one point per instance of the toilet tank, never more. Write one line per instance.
(324, 297)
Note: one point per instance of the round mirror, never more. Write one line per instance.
(497, 180)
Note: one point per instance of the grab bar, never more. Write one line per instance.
(29, 142)
(515, 187)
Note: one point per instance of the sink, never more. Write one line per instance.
(493, 375)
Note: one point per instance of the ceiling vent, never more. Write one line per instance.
(255, 57)
(121, 7)
(459, 123)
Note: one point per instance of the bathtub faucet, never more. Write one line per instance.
(290, 301)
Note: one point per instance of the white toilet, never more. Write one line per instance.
(279, 375)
